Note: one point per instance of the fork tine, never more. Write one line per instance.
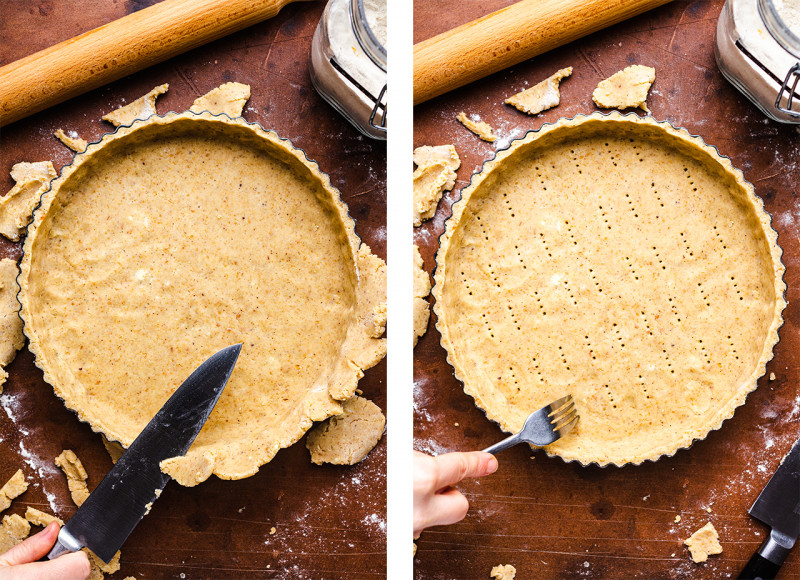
(567, 427)
(556, 405)
(555, 415)
(563, 419)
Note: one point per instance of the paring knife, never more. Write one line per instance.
(778, 506)
(121, 500)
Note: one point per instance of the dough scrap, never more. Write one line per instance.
(704, 543)
(430, 182)
(528, 268)
(98, 567)
(75, 143)
(480, 128)
(40, 518)
(542, 96)
(114, 449)
(626, 88)
(142, 108)
(17, 205)
(229, 98)
(76, 475)
(428, 155)
(422, 287)
(13, 488)
(11, 337)
(503, 572)
(247, 265)
(346, 439)
(13, 530)
(189, 471)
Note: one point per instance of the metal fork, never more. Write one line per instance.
(542, 427)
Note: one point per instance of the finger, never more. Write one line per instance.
(453, 467)
(32, 549)
(74, 566)
(448, 508)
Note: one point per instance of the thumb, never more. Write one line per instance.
(453, 467)
(74, 566)
(33, 548)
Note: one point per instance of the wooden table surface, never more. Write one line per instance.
(330, 521)
(551, 519)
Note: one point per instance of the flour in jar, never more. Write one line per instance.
(789, 11)
(375, 11)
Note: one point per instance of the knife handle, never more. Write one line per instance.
(759, 568)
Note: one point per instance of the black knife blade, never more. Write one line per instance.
(124, 496)
(778, 506)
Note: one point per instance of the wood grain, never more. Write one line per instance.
(508, 36)
(119, 48)
(554, 520)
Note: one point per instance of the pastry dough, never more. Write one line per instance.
(430, 182)
(142, 108)
(40, 518)
(75, 143)
(704, 543)
(229, 98)
(480, 128)
(13, 530)
(422, 287)
(622, 261)
(184, 234)
(17, 205)
(626, 88)
(76, 475)
(542, 96)
(428, 155)
(504, 572)
(13, 488)
(347, 438)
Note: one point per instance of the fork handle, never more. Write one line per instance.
(509, 441)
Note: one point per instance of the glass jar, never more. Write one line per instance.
(348, 62)
(759, 54)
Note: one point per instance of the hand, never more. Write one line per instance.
(20, 562)
(436, 503)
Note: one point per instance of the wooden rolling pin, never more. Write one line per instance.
(509, 36)
(120, 48)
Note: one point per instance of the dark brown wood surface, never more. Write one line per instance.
(329, 521)
(554, 520)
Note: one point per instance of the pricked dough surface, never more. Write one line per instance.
(179, 236)
(347, 438)
(621, 261)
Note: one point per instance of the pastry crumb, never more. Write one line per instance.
(272, 531)
(13, 488)
(503, 572)
(677, 519)
(772, 376)
(542, 96)
(73, 142)
(704, 543)
(347, 438)
(480, 128)
(229, 98)
(708, 509)
(625, 89)
(142, 108)
(76, 475)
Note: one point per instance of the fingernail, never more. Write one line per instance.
(491, 467)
